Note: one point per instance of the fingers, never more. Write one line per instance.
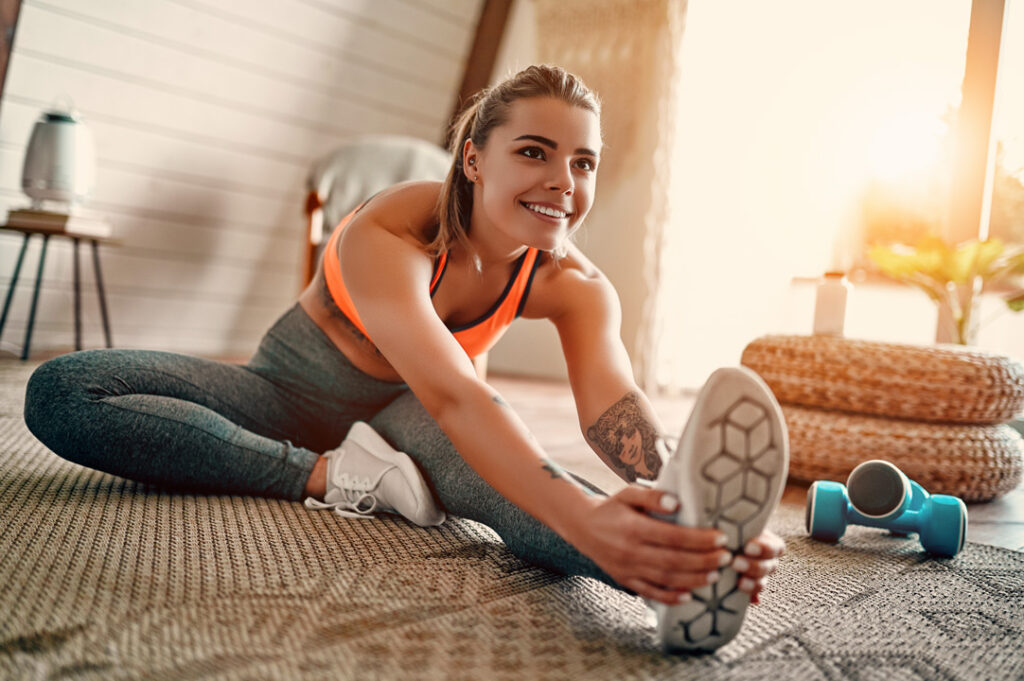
(760, 557)
(752, 587)
(650, 500)
(675, 560)
(765, 545)
(654, 531)
(661, 533)
(669, 560)
(675, 578)
(754, 568)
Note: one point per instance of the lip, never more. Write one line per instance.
(545, 204)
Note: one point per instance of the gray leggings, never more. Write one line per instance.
(195, 425)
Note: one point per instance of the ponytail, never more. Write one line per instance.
(455, 204)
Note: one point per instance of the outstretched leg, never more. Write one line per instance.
(185, 423)
(408, 427)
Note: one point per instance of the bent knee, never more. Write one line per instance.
(53, 391)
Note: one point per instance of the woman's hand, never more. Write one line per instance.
(759, 559)
(658, 560)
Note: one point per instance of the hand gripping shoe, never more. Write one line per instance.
(728, 471)
(366, 475)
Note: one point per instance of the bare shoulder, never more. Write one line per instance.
(407, 210)
(569, 286)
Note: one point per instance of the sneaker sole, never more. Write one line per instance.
(427, 512)
(730, 471)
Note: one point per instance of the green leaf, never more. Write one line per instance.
(1016, 301)
(903, 262)
(986, 256)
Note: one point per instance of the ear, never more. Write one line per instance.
(470, 157)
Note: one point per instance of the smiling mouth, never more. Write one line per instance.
(544, 210)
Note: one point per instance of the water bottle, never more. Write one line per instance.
(830, 304)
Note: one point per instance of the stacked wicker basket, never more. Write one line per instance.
(937, 412)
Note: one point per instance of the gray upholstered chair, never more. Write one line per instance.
(357, 170)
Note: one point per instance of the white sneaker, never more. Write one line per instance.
(366, 475)
(728, 471)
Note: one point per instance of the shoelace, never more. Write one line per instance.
(357, 490)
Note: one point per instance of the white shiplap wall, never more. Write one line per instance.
(207, 115)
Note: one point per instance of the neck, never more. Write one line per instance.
(492, 247)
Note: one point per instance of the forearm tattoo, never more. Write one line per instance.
(625, 438)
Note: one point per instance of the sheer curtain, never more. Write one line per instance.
(789, 111)
(738, 155)
(629, 52)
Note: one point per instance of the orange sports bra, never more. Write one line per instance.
(476, 337)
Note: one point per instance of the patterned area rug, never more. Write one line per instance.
(101, 578)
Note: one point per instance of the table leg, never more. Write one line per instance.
(14, 282)
(78, 295)
(99, 289)
(35, 298)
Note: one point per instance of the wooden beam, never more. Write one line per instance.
(970, 195)
(9, 11)
(974, 143)
(480, 64)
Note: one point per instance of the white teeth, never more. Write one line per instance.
(544, 210)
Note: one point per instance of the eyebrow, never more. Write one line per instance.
(554, 145)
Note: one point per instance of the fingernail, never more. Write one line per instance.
(669, 502)
(741, 564)
(721, 540)
(713, 577)
(684, 597)
(746, 584)
(724, 559)
(752, 549)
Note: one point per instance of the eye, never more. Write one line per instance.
(587, 164)
(532, 152)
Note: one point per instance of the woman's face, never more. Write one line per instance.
(536, 176)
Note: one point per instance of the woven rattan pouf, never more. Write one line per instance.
(936, 412)
(975, 463)
(947, 384)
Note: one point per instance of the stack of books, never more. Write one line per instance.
(75, 223)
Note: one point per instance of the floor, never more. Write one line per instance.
(547, 408)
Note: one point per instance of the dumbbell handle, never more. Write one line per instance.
(905, 523)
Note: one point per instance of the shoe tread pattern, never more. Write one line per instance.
(740, 483)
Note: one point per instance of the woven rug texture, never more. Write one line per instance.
(101, 578)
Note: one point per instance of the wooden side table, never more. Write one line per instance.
(46, 233)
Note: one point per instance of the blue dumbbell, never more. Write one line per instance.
(878, 494)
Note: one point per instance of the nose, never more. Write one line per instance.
(561, 180)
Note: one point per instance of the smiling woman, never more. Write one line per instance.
(376, 355)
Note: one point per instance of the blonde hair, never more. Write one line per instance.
(488, 110)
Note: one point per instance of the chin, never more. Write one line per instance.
(547, 244)
(548, 239)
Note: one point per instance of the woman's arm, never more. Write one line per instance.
(615, 416)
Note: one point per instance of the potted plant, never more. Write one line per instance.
(953, 277)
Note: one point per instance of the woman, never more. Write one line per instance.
(384, 334)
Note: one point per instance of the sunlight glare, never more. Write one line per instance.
(906, 146)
